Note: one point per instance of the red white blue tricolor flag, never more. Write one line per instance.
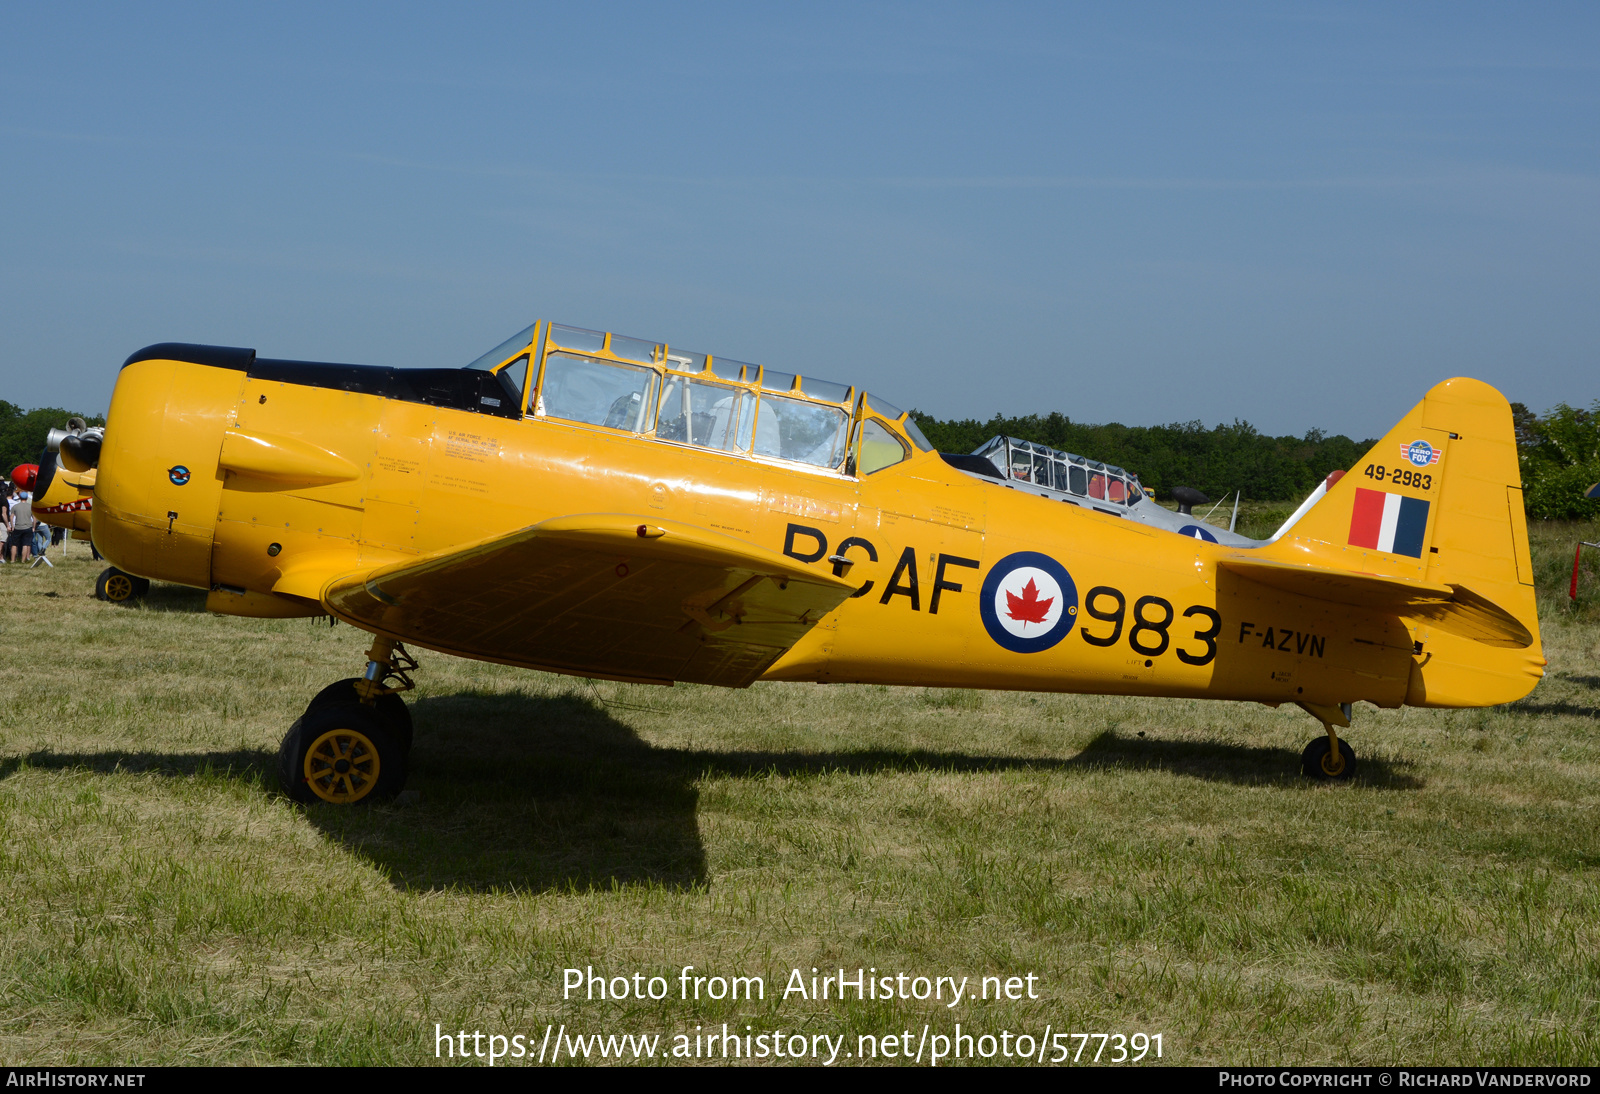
(1388, 522)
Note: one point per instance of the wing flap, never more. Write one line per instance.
(1454, 609)
(602, 595)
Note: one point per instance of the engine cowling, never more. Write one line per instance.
(158, 484)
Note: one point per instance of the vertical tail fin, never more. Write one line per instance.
(1438, 499)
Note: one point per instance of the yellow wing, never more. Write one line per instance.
(616, 596)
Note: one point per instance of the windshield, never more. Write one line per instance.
(880, 448)
(505, 349)
(916, 435)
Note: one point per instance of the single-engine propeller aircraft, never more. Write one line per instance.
(66, 499)
(584, 503)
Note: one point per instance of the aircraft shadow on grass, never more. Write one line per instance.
(539, 793)
(1234, 763)
(1578, 710)
(163, 598)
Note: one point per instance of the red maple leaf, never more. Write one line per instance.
(1028, 608)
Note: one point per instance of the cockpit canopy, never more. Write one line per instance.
(1063, 472)
(649, 388)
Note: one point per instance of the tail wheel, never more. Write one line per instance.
(391, 708)
(1319, 761)
(341, 753)
(117, 587)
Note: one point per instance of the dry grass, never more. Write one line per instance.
(1157, 864)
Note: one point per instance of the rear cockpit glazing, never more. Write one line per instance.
(1026, 464)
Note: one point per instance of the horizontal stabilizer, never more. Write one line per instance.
(1454, 609)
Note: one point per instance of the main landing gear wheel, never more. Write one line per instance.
(353, 743)
(391, 708)
(341, 753)
(117, 587)
(1318, 761)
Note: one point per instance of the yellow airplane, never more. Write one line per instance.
(579, 502)
(65, 499)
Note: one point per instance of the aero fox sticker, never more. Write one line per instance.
(1420, 453)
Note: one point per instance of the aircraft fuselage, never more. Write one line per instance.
(258, 483)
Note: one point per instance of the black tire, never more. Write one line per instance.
(374, 766)
(392, 708)
(116, 587)
(1313, 763)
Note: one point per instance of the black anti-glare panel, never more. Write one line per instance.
(457, 388)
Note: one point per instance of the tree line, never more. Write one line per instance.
(1217, 461)
(1560, 455)
(23, 432)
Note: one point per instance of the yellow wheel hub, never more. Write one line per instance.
(1333, 763)
(119, 587)
(342, 766)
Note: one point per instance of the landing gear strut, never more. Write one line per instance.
(353, 743)
(1328, 757)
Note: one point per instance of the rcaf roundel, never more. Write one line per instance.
(1028, 602)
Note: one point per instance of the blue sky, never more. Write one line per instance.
(1300, 215)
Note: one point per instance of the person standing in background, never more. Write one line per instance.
(5, 515)
(41, 536)
(19, 544)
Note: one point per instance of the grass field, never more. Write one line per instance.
(1157, 865)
